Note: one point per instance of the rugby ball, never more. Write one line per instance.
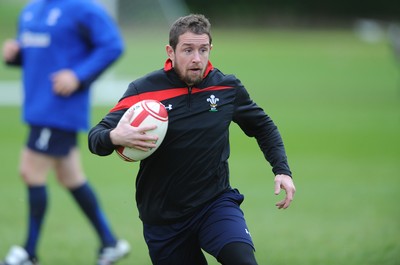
(145, 112)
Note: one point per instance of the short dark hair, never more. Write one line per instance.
(194, 23)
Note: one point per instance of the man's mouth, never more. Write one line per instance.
(195, 69)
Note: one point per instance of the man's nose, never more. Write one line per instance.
(196, 56)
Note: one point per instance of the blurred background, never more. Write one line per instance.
(370, 22)
(328, 73)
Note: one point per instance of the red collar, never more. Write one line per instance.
(168, 67)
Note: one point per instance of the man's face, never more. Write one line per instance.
(190, 57)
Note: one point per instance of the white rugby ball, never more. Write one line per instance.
(146, 112)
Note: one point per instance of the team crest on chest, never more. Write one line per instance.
(213, 103)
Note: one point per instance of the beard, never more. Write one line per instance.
(188, 77)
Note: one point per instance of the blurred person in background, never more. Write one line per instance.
(183, 194)
(62, 47)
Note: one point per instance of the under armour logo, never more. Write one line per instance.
(169, 107)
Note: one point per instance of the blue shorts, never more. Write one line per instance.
(216, 225)
(50, 141)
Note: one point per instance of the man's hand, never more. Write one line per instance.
(65, 82)
(11, 49)
(284, 182)
(127, 135)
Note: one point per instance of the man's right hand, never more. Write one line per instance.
(135, 137)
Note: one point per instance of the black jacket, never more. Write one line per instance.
(190, 168)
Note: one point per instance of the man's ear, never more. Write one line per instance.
(170, 52)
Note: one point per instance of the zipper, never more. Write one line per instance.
(189, 97)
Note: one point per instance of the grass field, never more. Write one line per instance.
(336, 101)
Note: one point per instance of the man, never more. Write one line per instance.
(183, 193)
(62, 47)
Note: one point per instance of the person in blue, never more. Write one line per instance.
(62, 46)
(183, 191)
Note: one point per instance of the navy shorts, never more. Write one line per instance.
(216, 225)
(50, 141)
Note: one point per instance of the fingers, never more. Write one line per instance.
(141, 139)
(65, 82)
(281, 204)
(285, 203)
(135, 137)
(125, 119)
(284, 182)
(142, 136)
(11, 49)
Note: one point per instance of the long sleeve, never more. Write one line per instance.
(256, 123)
(99, 136)
(104, 40)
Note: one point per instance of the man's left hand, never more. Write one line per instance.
(284, 182)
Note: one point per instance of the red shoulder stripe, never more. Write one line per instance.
(211, 88)
(162, 95)
(156, 95)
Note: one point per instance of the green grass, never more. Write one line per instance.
(336, 101)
